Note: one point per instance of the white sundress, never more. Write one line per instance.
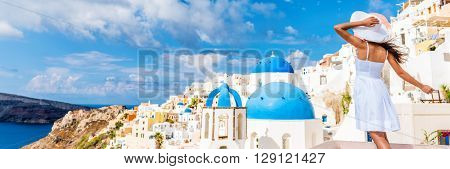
(374, 109)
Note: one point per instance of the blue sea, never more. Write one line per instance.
(17, 135)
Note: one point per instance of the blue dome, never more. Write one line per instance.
(279, 101)
(224, 97)
(273, 64)
(187, 110)
(180, 104)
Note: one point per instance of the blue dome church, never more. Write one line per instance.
(223, 120)
(273, 69)
(276, 113)
(279, 112)
(279, 101)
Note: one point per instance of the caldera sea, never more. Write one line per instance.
(17, 135)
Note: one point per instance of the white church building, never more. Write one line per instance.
(278, 113)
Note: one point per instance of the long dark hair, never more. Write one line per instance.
(395, 50)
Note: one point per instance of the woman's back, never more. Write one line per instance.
(370, 62)
(376, 53)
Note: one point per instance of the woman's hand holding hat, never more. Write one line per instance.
(373, 27)
(370, 21)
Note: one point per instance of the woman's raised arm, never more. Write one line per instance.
(341, 30)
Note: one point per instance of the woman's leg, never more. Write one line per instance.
(385, 137)
(380, 139)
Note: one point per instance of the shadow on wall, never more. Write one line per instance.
(266, 142)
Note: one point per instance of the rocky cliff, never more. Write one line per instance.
(81, 129)
(21, 109)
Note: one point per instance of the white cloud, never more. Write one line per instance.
(290, 30)
(380, 6)
(321, 39)
(250, 26)
(91, 59)
(288, 40)
(167, 73)
(269, 34)
(57, 80)
(204, 37)
(198, 67)
(54, 80)
(299, 59)
(264, 8)
(136, 20)
(6, 30)
(6, 74)
(86, 73)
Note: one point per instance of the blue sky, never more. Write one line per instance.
(86, 52)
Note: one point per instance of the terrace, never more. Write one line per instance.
(367, 145)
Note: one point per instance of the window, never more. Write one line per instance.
(447, 57)
(324, 118)
(241, 123)
(223, 126)
(254, 141)
(206, 126)
(286, 141)
(403, 38)
(323, 80)
(257, 143)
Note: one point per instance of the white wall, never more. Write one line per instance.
(303, 133)
(213, 141)
(260, 79)
(415, 118)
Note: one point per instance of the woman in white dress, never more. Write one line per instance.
(374, 110)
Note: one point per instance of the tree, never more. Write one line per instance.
(159, 140)
(170, 121)
(118, 125)
(194, 103)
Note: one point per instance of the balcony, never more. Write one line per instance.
(440, 18)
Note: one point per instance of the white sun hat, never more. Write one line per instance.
(379, 33)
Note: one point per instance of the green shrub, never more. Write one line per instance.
(82, 141)
(346, 100)
(118, 125)
(111, 134)
(445, 92)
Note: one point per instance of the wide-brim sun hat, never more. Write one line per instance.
(379, 33)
